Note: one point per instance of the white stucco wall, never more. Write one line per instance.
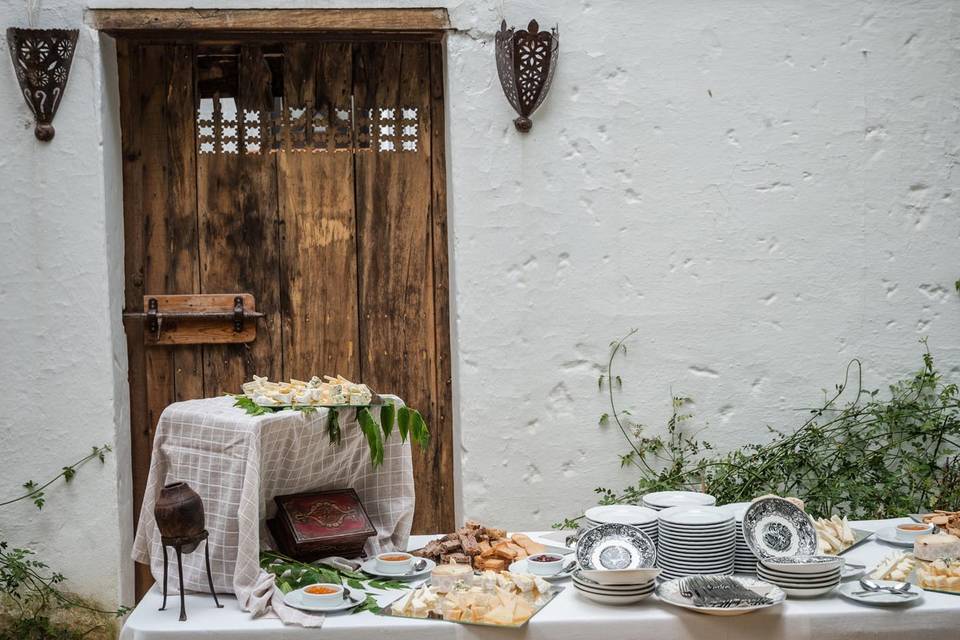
(765, 189)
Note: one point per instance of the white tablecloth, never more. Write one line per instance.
(238, 463)
(571, 617)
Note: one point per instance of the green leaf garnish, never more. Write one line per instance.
(403, 423)
(387, 416)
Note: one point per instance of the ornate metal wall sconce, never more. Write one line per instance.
(42, 58)
(525, 62)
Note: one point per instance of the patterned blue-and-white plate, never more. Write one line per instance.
(616, 546)
(776, 528)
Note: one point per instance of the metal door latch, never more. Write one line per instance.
(188, 309)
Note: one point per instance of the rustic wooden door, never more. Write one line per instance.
(310, 174)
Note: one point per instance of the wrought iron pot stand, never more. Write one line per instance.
(183, 545)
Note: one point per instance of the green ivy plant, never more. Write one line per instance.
(292, 574)
(409, 423)
(32, 596)
(858, 453)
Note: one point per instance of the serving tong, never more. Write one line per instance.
(720, 591)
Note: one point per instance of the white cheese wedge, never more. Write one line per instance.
(522, 582)
(938, 546)
(542, 585)
(896, 561)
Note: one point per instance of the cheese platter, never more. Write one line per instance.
(328, 392)
(489, 599)
(835, 536)
(941, 575)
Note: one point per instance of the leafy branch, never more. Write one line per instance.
(409, 423)
(31, 591)
(36, 493)
(870, 456)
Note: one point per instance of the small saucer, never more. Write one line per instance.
(520, 566)
(889, 535)
(851, 591)
(370, 566)
(295, 599)
(847, 571)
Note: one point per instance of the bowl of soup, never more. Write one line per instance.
(912, 530)
(394, 562)
(322, 594)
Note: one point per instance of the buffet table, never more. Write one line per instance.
(238, 464)
(571, 617)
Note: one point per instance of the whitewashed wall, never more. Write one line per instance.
(764, 189)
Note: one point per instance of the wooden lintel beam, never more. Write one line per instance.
(120, 21)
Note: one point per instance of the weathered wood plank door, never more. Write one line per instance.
(311, 175)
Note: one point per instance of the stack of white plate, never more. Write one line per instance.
(696, 540)
(642, 518)
(802, 576)
(743, 559)
(615, 587)
(666, 499)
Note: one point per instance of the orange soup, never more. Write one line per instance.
(394, 558)
(321, 590)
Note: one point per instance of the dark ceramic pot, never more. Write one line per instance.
(179, 512)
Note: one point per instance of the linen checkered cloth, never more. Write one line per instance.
(238, 463)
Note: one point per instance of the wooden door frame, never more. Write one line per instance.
(432, 23)
(133, 26)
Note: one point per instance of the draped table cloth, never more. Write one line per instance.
(238, 463)
(571, 617)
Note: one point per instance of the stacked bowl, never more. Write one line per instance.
(617, 586)
(743, 559)
(642, 518)
(666, 499)
(696, 540)
(802, 576)
(616, 564)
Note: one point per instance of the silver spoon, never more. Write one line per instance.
(898, 588)
(419, 565)
(881, 593)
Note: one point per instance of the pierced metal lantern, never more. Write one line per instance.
(525, 62)
(41, 59)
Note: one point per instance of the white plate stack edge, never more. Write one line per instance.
(744, 561)
(696, 540)
(643, 518)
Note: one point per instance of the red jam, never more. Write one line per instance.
(545, 558)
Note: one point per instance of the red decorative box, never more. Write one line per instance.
(309, 526)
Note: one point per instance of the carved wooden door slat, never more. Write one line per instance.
(237, 215)
(318, 221)
(392, 82)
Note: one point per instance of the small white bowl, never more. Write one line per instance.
(803, 564)
(323, 599)
(621, 576)
(606, 598)
(550, 565)
(394, 563)
(916, 530)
